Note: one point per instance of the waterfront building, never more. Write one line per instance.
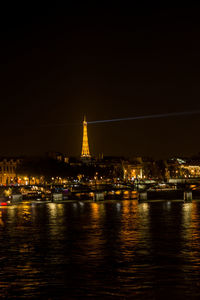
(133, 169)
(85, 153)
(184, 169)
(190, 169)
(8, 171)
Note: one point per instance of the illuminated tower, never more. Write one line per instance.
(85, 146)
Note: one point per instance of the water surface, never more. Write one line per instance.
(106, 250)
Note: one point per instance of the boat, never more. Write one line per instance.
(5, 201)
(10, 196)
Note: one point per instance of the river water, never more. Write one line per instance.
(107, 250)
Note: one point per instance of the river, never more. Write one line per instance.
(106, 250)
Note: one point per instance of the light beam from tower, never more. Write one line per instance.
(85, 153)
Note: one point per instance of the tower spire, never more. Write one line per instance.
(85, 153)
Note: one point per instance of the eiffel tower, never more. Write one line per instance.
(85, 153)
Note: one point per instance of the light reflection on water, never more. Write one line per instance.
(111, 250)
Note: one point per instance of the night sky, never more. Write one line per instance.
(59, 63)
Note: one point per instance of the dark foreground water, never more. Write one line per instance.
(108, 250)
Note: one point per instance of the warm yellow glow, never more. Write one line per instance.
(133, 173)
(85, 146)
(118, 192)
(7, 192)
(95, 209)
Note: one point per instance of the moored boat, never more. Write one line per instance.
(5, 201)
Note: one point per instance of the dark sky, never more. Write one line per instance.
(59, 63)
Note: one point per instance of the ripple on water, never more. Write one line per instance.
(107, 250)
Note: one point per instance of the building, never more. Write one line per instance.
(133, 169)
(8, 171)
(58, 156)
(191, 169)
(184, 168)
(85, 153)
